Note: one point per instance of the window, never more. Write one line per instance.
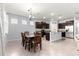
(69, 28)
(31, 23)
(24, 22)
(14, 21)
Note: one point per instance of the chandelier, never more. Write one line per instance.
(30, 13)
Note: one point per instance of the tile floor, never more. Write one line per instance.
(59, 48)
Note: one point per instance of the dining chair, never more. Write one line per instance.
(37, 41)
(26, 39)
(26, 33)
(23, 39)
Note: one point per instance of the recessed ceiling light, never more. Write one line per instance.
(33, 16)
(60, 17)
(30, 16)
(52, 14)
(44, 17)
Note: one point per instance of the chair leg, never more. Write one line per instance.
(23, 43)
(40, 47)
(29, 47)
(25, 46)
(34, 48)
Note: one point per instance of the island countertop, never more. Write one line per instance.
(54, 36)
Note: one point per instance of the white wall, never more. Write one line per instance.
(3, 19)
(53, 26)
(76, 26)
(70, 31)
(14, 31)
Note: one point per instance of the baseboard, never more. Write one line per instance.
(56, 40)
(8, 40)
(70, 37)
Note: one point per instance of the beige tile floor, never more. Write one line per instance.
(59, 48)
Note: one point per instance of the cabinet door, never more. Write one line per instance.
(61, 26)
(48, 36)
(38, 25)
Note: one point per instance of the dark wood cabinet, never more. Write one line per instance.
(63, 34)
(61, 26)
(67, 23)
(47, 26)
(48, 36)
(40, 25)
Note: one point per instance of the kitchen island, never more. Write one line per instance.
(54, 36)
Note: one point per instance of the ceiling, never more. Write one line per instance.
(40, 10)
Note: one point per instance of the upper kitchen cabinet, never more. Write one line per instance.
(40, 25)
(61, 26)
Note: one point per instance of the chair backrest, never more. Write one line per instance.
(22, 35)
(37, 38)
(37, 33)
(26, 33)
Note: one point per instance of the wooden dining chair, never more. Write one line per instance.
(37, 41)
(23, 39)
(26, 33)
(26, 39)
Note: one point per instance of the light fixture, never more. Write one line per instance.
(31, 6)
(60, 17)
(44, 17)
(52, 14)
(30, 16)
(33, 16)
(30, 13)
